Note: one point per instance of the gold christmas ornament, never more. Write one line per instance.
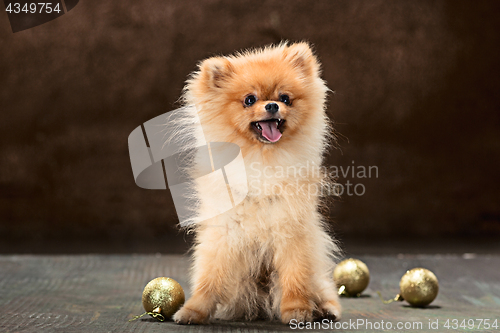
(163, 295)
(351, 276)
(161, 298)
(419, 287)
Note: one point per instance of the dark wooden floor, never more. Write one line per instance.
(100, 293)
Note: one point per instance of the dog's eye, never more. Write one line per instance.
(250, 100)
(285, 99)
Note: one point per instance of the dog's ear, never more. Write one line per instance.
(301, 56)
(216, 71)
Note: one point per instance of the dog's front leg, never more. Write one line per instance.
(212, 272)
(292, 262)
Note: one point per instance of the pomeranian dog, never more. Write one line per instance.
(270, 256)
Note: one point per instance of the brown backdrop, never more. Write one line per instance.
(416, 95)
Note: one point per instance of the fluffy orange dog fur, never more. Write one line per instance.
(270, 256)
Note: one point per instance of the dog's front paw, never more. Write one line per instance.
(187, 316)
(299, 315)
(331, 310)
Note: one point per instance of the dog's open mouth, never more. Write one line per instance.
(269, 130)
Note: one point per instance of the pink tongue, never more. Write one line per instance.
(270, 130)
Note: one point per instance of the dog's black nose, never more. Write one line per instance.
(272, 107)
